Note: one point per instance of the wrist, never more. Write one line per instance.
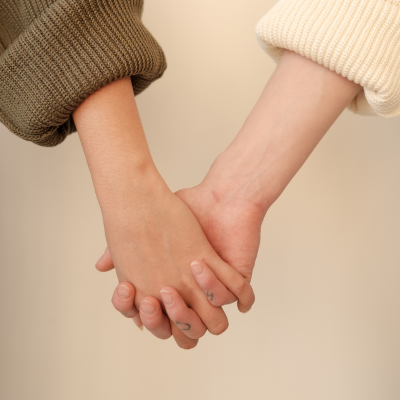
(123, 196)
(236, 177)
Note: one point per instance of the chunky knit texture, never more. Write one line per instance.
(54, 54)
(359, 39)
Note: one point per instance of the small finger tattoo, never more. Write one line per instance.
(182, 326)
(210, 296)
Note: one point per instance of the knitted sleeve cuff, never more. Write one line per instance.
(358, 39)
(72, 49)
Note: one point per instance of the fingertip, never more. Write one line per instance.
(243, 309)
(182, 340)
(150, 312)
(148, 308)
(154, 319)
(125, 291)
(105, 262)
(169, 289)
(187, 346)
(100, 266)
(220, 328)
(196, 267)
(123, 300)
(168, 295)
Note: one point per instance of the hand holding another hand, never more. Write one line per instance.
(233, 229)
(297, 107)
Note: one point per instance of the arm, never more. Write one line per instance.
(151, 233)
(297, 107)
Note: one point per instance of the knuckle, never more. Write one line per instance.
(188, 280)
(246, 305)
(207, 280)
(220, 328)
(241, 286)
(218, 302)
(176, 314)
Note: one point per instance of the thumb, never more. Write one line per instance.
(105, 262)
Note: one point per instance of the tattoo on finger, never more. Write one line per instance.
(210, 295)
(182, 326)
(129, 314)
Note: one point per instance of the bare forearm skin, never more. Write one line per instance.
(116, 150)
(297, 107)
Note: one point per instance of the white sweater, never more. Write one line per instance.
(358, 39)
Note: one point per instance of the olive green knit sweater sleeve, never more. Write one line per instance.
(54, 54)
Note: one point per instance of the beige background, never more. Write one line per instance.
(326, 324)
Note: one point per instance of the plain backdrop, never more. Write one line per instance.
(326, 323)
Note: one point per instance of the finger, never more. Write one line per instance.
(217, 294)
(235, 282)
(105, 262)
(154, 319)
(214, 318)
(124, 301)
(183, 317)
(181, 339)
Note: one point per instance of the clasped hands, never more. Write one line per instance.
(216, 264)
(185, 254)
(180, 257)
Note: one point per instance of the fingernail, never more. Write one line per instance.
(147, 307)
(138, 322)
(246, 311)
(167, 297)
(123, 292)
(197, 269)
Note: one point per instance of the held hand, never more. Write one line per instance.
(158, 251)
(233, 229)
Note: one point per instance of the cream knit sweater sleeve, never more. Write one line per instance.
(358, 39)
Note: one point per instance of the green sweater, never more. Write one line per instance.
(55, 53)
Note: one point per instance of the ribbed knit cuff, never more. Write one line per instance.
(71, 50)
(358, 39)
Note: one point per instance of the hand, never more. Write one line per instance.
(157, 252)
(233, 229)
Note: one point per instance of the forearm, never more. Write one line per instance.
(297, 107)
(116, 150)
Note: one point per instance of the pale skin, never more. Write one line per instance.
(299, 104)
(152, 234)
